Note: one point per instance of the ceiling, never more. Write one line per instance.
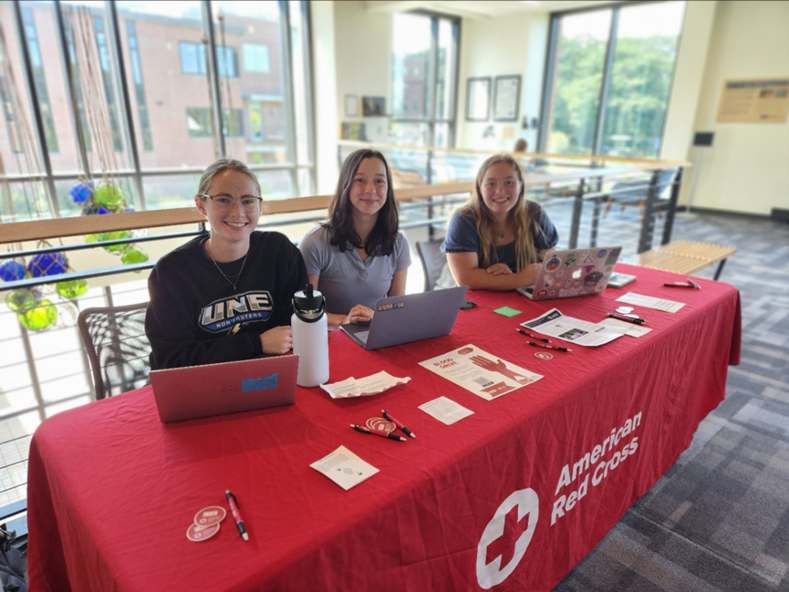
(481, 9)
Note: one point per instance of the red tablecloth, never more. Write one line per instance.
(512, 496)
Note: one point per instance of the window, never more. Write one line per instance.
(200, 125)
(139, 86)
(39, 78)
(609, 76)
(424, 76)
(256, 58)
(193, 59)
(106, 74)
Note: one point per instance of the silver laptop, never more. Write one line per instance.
(402, 319)
(573, 272)
(230, 387)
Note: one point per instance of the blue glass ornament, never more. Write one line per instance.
(12, 270)
(81, 192)
(47, 264)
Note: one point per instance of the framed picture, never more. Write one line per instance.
(351, 105)
(506, 101)
(373, 106)
(478, 99)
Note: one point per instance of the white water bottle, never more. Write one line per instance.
(310, 337)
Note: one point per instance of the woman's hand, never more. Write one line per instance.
(359, 313)
(499, 269)
(530, 273)
(278, 340)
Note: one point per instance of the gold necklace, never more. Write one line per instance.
(235, 277)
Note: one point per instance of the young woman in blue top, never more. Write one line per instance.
(358, 255)
(496, 241)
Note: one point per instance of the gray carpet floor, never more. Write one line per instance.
(718, 520)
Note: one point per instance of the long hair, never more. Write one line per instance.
(224, 164)
(381, 239)
(522, 214)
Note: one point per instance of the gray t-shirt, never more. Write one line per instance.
(346, 280)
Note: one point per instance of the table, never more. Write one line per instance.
(487, 502)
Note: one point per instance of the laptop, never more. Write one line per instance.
(402, 319)
(229, 387)
(573, 272)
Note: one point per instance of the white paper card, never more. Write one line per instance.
(344, 468)
(364, 387)
(445, 410)
(625, 328)
(483, 374)
(554, 324)
(650, 302)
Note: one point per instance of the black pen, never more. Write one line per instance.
(397, 423)
(681, 285)
(233, 503)
(381, 433)
(635, 321)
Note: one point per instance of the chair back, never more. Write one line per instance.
(433, 261)
(117, 346)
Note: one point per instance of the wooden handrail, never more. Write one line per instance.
(17, 232)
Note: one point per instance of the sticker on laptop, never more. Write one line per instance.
(249, 385)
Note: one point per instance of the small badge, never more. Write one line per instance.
(198, 534)
(543, 355)
(380, 424)
(210, 515)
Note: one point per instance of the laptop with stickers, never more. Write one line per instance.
(229, 387)
(573, 272)
(403, 319)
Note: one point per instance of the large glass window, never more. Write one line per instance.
(88, 59)
(610, 73)
(424, 72)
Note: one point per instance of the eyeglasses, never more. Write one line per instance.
(224, 202)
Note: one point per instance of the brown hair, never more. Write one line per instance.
(522, 214)
(381, 239)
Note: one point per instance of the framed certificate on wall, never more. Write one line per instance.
(506, 100)
(478, 99)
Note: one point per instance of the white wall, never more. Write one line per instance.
(363, 48)
(497, 47)
(747, 168)
(324, 83)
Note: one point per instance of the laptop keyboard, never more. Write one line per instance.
(362, 336)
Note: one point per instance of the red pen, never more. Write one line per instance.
(537, 337)
(381, 433)
(233, 503)
(635, 321)
(397, 423)
(540, 344)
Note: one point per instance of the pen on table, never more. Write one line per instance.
(233, 503)
(537, 337)
(381, 433)
(635, 321)
(397, 423)
(691, 285)
(561, 349)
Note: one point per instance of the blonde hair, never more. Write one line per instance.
(222, 165)
(522, 214)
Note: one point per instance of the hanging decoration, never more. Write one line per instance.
(102, 196)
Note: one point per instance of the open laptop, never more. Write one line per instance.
(229, 387)
(402, 319)
(573, 272)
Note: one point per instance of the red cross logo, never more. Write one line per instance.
(506, 537)
(504, 546)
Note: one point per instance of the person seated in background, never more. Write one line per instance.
(225, 296)
(496, 240)
(358, 255)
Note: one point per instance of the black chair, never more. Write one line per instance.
(634, 192)
(433, 261)
(117, 347)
